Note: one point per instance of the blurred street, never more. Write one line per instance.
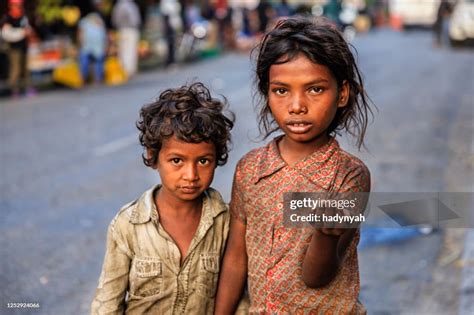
(70, 159)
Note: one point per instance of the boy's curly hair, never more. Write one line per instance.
(323, 44)
(189, 113)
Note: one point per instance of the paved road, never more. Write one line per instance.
(70, 159)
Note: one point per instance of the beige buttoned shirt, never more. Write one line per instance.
(142, 272)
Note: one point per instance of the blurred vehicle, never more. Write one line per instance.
(461, 26)
(414, 12)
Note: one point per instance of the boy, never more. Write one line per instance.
(164, 249)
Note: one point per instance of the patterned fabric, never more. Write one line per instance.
(275, 253)
(142, 273)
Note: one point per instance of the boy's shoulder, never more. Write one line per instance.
(122, 220)
(216, 202)
(214, 195)
(137, 211)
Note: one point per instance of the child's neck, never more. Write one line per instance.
(171, 207)
(179, 219)
(292, 151)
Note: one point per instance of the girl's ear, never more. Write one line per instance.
(343, 94)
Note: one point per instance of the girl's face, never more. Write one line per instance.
(303, 98)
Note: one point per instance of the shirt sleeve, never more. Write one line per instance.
(356, 186)
(237, 204)
(357, 180)
(113, 282)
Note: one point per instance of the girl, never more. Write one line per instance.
(310, 88)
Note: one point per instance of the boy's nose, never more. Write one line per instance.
(191, 173)
(297, 105)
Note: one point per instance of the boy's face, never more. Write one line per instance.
(186, 169)
(304, 97)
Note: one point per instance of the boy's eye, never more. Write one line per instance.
(204, 161)
(176, 161)
(316, 90)
(279, 91)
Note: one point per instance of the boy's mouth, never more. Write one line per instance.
(298, 126)
(189, 189)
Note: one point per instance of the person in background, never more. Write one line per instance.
(265, 13)
(172, 23)
(126, 19)
(15, 32)
(284, 9)
(444, 10)
(92, 38)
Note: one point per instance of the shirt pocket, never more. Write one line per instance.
(209, 266)
(146, 276)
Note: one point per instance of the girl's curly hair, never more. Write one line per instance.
(190, 114)
(323, 44)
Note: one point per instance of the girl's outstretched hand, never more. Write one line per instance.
(331, 231)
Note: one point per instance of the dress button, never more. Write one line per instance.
(270, 306)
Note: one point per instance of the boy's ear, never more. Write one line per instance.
(343, 94)
(149, 155)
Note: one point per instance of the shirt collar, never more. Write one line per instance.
(314, 167)
(270, 161)
(145, 209)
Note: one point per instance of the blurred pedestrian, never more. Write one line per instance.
(126, 19)
(92, 37)
(15, 32)
(283, 9)
(444, 10)
(265, 13)
(332, 9)
(172, 22)
(170, 40)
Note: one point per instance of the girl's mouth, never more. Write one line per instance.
(298, 126)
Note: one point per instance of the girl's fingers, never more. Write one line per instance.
(332, 231)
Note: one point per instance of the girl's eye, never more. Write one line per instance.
(176, 161)
(316, 90)
(279, 91)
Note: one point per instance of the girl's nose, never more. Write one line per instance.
(297, 105)
(191, 172)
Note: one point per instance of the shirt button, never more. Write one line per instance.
(270, 273)
(280, 205)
